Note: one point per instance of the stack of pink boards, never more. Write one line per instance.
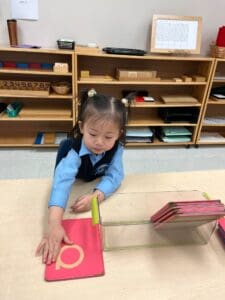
(188, 213)
(221, 228)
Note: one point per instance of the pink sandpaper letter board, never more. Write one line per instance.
(221, 228)
(82, 259)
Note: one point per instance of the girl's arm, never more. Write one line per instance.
(64, 177)
(107, 185)
(114, 175)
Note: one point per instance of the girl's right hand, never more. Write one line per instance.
(50, 245)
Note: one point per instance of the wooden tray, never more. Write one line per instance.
(16, 87)
(178, 99)
(97, 78)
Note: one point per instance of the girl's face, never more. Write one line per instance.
(99, 136)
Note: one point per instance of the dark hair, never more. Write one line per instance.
(99, 106)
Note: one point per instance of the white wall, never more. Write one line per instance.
(118, 23)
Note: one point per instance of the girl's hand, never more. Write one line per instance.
(83, 203)
(49, 247)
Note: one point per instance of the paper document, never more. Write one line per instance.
(24, 9)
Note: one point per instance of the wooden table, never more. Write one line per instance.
(183, 272)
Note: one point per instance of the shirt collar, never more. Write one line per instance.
(84, 150)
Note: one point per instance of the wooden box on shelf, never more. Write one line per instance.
(16, 87)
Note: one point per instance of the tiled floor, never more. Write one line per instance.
(39, 163)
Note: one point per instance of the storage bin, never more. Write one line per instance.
(125, 221)
(216, 51)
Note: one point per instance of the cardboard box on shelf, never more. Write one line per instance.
(139, 75)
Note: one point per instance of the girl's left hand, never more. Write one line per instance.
(82, 204)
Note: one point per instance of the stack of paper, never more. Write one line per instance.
(214, 120)
(221, 228)
(188, 213)
(209, 136)
(139, 134)
(173, 134)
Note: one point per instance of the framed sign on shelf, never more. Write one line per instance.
(176, 34)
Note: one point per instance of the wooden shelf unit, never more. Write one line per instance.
(48, 113)
(212, 125)
(167, 67)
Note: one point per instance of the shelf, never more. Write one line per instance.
(159, 103)
(36, 119)
(167, 68)
(42, 111)
(148, 57)
(213, 109)
(154, 121)
(49, 96)
(161, 82)
(216, 102)
(213, 125)
(53, 112)
(157, 142)
(219, 80)
(22, 140)
(32, 72)
(27, 51)
(157, 123)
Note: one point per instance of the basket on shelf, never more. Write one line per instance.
(61, 88)
(216, 51)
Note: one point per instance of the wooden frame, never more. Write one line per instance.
(176, 34)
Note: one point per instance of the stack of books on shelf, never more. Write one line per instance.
(49, 138)
(139, 135)
(221, 228)
(214, 120)
(218, 93)
(211, 136)
(188, 213)
(173, 134)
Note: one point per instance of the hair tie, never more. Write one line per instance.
(91, 93)
(124, 101)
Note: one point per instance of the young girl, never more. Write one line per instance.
(94, 151)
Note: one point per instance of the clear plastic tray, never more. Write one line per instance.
(125, 221)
